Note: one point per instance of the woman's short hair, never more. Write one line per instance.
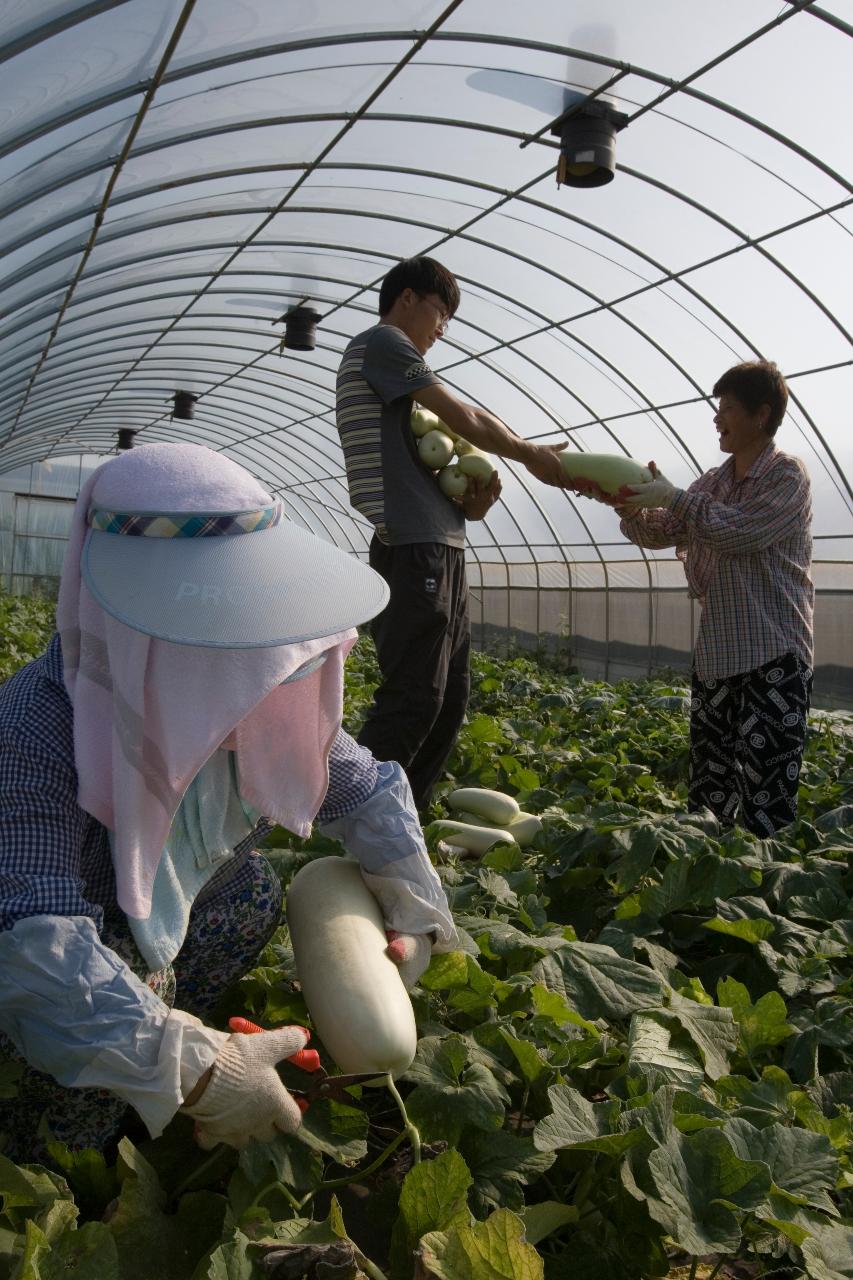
(754, 383)
(423, 275)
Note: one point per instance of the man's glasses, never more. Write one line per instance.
(443, 318)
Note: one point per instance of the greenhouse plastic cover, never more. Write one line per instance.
(177, 176)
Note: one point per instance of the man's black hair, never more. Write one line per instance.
(424, 276)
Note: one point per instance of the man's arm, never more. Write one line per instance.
(487, 432)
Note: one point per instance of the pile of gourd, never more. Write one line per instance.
(437, 446)
(483, 818)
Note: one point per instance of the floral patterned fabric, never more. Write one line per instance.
(228, 929)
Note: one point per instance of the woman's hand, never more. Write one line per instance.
(240, 1099)
(411, 953)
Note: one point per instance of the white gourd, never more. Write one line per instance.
(353, 990)
(435, 449)
(524, 828)
(493, 805)
(424, 420)
(475, 839)
(609, 470)
(452, 482)
(477, 464)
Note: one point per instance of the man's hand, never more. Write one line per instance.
(244, 1100)
(544, 463)
(410, 952)
(481, 496)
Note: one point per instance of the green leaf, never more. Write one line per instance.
(540, 1220)
(551, 1005)
(801, 1163)
(828, 1253)
(336, 1129)
(763, 1101)
(598, 981)
(712, 1030)
(501, 1163)
(651, 1048)
(16, 1187)
(485, 729)
(496, 887)
(151, 1242)
(527, 1056)
(694, 1186)
(57, 1219)
(490, 1250)
(36, 1248)
(746, 930)
(297, 1165)
(93, 1182)
(523, 779)
(446, 972)
(575, 1122)
(433, 1197)
(230, 1261)
(761, 1025)
(451, 1091)
(87, 1254)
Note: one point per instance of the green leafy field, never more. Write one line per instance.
(638, 1065)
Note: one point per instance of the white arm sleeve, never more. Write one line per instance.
(384, 834)
(73, 1009)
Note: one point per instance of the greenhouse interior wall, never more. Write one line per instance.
(609, 620)
(612, 624)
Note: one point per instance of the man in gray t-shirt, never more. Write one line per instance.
(423, 636)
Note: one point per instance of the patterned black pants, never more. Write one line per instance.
(747, 734)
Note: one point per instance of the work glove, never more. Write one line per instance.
(245, 1101)
(659, 492)
(410, 952)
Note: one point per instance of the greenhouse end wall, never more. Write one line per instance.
(622, 633)
(612, 620)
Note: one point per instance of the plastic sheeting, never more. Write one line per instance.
(176, 174)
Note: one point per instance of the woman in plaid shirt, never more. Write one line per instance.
(743, 533)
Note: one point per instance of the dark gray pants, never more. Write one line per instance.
(423, 641)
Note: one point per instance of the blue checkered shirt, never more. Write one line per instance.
(55, 857)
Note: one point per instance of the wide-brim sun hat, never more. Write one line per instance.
(186, 545)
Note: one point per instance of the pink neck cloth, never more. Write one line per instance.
(149, 713)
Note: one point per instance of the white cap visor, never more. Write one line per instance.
(274, 586)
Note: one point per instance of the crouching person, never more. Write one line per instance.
(191, 698)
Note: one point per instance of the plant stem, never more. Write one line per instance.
(199, 1171)
(693, 1268)
(717, 1266)
(275, 1185)
(411, 1130)
(369, 1268)
(333, 1183)
(520, 1121)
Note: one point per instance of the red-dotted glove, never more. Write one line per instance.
(659, 492)
(245, 1100)
(410, 952)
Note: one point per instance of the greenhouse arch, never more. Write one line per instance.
(177, 177)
